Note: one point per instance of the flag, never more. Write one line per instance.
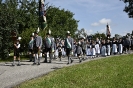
(108, 33)
(42, 15)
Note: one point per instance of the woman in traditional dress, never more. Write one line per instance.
(97, 46)
(93, 49)
(120, 46)
(103, 48)
(108, 47)
(114, 46)
(88, 50)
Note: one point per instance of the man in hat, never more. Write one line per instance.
(37, 44)
(83, 46)
(69, 46)
(48, 45)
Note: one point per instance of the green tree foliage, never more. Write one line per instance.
(15, 16)
(7, 24)
(60, 21)
(27, 15)
(99, 35)
(22, 16)
(81, 33)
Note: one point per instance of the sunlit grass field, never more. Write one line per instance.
(109, 72)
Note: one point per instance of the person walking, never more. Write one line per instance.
(37, 44)
(48, 45)
(108, 47)
(16, 52)
(97, 46)
(114, 46)
(31, 48)
(83, 46)
(79, 52)
(69, 46)
(120, 46)
(103, 48)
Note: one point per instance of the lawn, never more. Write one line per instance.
(110, 72)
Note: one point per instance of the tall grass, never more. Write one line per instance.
(111, 72)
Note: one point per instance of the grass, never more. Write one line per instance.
(111, 72)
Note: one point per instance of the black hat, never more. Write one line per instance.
(35, 32)
(31, 35)
(49, 32)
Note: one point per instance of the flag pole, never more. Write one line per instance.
(42, 17)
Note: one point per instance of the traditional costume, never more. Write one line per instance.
(97, 47)
(103, 49)
(120, 46)
(114, 46)
(108, 47)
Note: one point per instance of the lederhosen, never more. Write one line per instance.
(68, 49)
(60, 51)
(83, 45)
(35, 48)
(47, 49)
(78, 50)
(16, 51)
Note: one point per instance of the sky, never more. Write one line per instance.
(95, 14)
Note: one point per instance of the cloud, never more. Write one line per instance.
(102, 21)
(95, 24)
(105, 21)
(125, 32)
(103, 30)
(89, 31)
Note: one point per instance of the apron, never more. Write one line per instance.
(120, 48)
(97, 49)
(114, 48)
(103, 50)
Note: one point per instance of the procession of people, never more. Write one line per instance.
(83, 48)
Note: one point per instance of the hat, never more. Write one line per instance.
(31, 35)
(35, 32)
(19, 38)
(49, 32)
(68, 33)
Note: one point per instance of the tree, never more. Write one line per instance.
(27, 15)
(7, 24)
(117, 36)
(99, 35)
(129, 7)
(21, 16)
(60, 21)
(81, 33)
